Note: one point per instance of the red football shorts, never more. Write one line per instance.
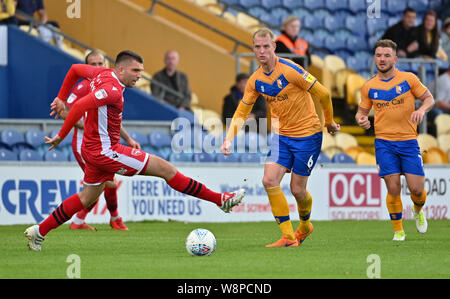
(120, 159)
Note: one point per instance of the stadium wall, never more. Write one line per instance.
(30, 192)
(35, 73)
(115, 25)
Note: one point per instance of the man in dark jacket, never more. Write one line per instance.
(174, 79)
(231, 101)
(402, 33)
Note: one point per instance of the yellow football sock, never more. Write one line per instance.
(304, 211)
(280, 210)
(419, 201)
(395, 208)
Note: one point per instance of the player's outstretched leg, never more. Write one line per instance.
(419, 215)
(164, 169)
(110, 193)
(36, 233)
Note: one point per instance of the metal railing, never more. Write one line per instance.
(34, 23)
(422, 74)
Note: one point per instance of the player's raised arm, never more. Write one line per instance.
(75, 73)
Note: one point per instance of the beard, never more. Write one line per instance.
(387, 69)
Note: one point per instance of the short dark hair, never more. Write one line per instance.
(241, 77)
(409, 9)
(386, 43)
(93, 52)
(128, 55)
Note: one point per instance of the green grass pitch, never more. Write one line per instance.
(336, 249)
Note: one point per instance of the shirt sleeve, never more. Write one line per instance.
(417, 88)
(75, 73)
(107, 95)
(250, 94)
(302, 78)
(366, 103)
(79, 91)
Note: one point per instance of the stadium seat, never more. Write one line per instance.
(434, 155)
(340, 80)
(335, 5)
(356, 43)
(328, 140)
(342, 158)
(444, 142)
(232, 158)
(314, 4)
(7, 155)
(159, 139)
(366, 159)
(426, 141)
(249, 158)
(354, 150)
(300, 12)
(311, 22)
(442, 123)
(336, 43)
(396, 6)
(354, 83)
(203, 157)
(292, 4)
(257, 11)
(180, 157)
(11, 137)
(139, 137)
(35, 137)
(357, 6)
(333, 23)
(30, 155)
(357, 25)
(345, 140)
(249, 3)
(246, 21)
(323, 159)
(269, 4)
(334, 63)
(375, 25)
(66, 142)
(55, 156)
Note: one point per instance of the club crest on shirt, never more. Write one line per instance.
(101, 94)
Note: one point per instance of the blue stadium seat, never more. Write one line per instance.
(395, 7)
(11, 137)
(292, 4)
(203, 157)
(159, 139)
(334, 5)
(232, 158)
(314, 4)
(357, 6)
(375, 25)
(30, 155)
(323, 159)
(320, 36)
(274, 21)
(55, 156)
(7, 155)
(35, 138)
(139, 137)
(249, 158)
(180, 157)
(333, 23)
(335, 43)
(356, 24)
(356, 44)
(342, 158)
(66, 142)
(300, 12)
(249, 3)
(257, 11)
(269, 4)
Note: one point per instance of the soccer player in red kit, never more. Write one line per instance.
(102, 152)
(82, 89)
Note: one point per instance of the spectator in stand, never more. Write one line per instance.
(402, 32)
(442, 104)
(445, 37)
(29, 8)
(232, 100)
(426, 38)
(175, 79)
(290, 42)
(7, 11)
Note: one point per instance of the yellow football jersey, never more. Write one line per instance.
(286, 91)
(393, 101)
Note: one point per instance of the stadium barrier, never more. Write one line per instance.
(31, 191)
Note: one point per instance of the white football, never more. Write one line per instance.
(200, 242)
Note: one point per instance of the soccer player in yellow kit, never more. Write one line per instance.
(288, 89)
(392, 94)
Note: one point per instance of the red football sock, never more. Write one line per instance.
(111, 201)
(63, 213)
(190, 186)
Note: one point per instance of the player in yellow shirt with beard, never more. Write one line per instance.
(297, 142)
(392, 94)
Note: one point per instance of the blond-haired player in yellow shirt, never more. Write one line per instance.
(289, 91)
(392, 94)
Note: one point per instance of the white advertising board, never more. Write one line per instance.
(29, 193)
